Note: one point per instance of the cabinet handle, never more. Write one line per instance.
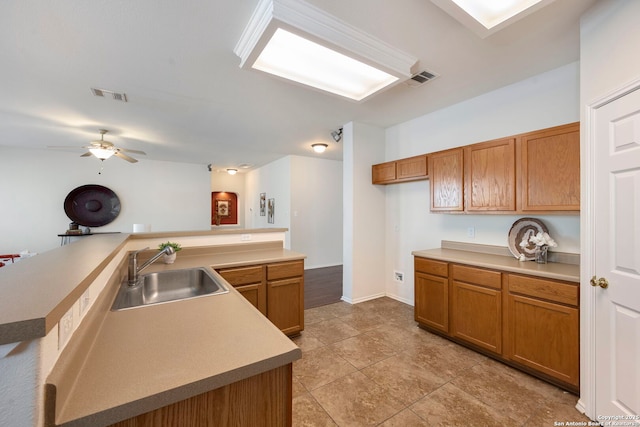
(602, 282)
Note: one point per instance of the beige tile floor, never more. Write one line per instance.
(370, 365)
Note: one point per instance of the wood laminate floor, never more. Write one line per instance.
(369, 364)
(322, 286)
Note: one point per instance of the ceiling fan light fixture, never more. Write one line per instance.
(102, 153)
(319, 147)
(299, 42)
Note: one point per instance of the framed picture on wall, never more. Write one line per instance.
(271, 210)
(263, 203)
(222, 207)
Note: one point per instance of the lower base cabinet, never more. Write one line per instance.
(277, 290)
(262, 400)
(528, 322)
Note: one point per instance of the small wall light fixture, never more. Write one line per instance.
(319, 147)
(336, 135)
(231, 171)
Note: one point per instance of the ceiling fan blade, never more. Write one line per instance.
(125, 157)
(87, 154)
(132, 151)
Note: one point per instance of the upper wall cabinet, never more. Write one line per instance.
(535, 172)
(550, 169)
(410, 169)
(490, 176)
(384, 173)
(446, 175)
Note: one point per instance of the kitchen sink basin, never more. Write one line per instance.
(167, 286)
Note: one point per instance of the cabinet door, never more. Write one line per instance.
(411, 168)
(476, 315)
(432, 301)
(285, 306)
(490, 176)
(383, 173)
(550, 168)
(250, 282)
(543, 336)
(256, 294)
(446, 187)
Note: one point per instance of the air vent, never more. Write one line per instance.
(421, 78)
(103, 92)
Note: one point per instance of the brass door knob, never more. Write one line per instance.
(602, 282)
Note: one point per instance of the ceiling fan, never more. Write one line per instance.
(104, 149)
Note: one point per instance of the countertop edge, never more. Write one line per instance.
(557, 271)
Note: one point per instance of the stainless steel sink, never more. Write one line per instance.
(166, 286)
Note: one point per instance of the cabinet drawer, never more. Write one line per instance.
(561, 292)
(243, 275)
(437, 268)
(477, 276)
(285, 269)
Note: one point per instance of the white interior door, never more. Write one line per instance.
(617, 259)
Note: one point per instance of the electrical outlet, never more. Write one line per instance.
(65, 328)
(245, 237)
(398, 276)
(85, 300)
(471, 232)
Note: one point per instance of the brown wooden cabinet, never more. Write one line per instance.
(403, 170)
(431, 293)
(277, 290)
(542, 326)
(528, 322)
(476, 306)
(250, 282)
(534, 172)
(550, 169)
(285, 302)
(383, 173)
(264, 399)
(446, 175)
(490, 175)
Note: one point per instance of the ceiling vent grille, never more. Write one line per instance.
(115, 95)
(421, 78)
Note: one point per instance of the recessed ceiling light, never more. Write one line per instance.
(485, 17)
(299, 42)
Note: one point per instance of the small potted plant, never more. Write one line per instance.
(169, 259)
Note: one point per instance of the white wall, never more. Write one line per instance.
(545, 100)
(316, 210)
(274, 179)
(166, 195)
(222, 181)
(308, 202)
(364, 214)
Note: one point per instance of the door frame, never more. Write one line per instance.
(587, 402)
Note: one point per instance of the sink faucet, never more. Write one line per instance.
(134, 270)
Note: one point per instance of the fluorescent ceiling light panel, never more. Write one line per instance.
(296, 58)
(485, 17)
(299, 42)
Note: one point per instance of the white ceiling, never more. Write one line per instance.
(190, 102)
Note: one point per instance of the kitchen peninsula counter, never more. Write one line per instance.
(137, 360)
